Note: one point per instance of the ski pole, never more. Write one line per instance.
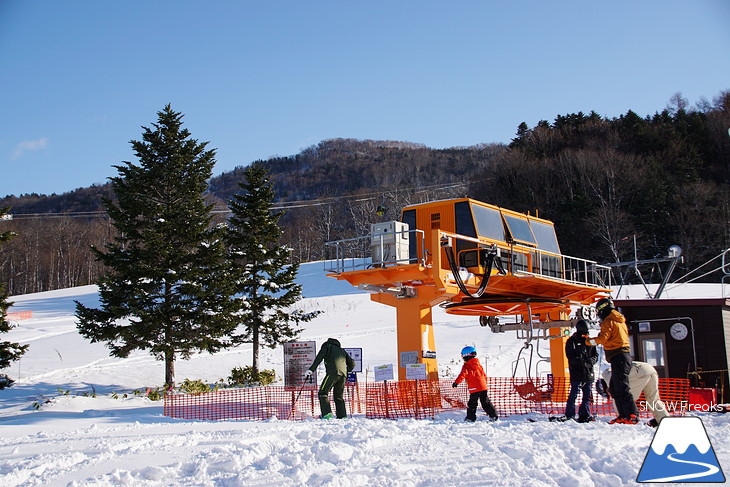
(301, 389)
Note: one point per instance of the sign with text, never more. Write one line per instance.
(356, 354)
(383, 372)
(298, 356)
(408, 358)
(416, 371)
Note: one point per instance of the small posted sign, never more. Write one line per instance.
(383, 372)
(356, 354)
(408, 358)
(416, 371)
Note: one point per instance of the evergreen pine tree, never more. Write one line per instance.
(266, 287)
(166, 288)
(9, 351)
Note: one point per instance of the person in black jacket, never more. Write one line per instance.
(337, 363)
(581, 359)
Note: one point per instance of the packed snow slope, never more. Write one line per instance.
(66, 420)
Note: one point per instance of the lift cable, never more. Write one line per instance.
(284, 205)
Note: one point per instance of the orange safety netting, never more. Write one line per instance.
(404, 399)
(521, 395)
(256, 403)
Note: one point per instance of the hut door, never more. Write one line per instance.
(653, 351)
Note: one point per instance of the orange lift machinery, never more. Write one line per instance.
(476, 259)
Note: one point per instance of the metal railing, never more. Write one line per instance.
(574, 270)
(378, 251)
(373, 251)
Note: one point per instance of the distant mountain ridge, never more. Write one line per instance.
(339, 167)
(334, 167)
(331, 191)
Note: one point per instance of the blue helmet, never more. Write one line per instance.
(468, 352)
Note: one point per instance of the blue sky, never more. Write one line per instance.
(78, 79)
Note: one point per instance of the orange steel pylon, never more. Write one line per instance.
(472, 259)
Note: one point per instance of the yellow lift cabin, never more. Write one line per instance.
(471, 258)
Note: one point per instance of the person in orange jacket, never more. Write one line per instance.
(476, 381)
(614, 336)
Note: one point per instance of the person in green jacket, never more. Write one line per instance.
(337, 363)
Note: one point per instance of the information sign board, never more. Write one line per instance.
(383, 372)
(298, 356)
(416, 371)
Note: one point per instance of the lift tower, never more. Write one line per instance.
(471, 258)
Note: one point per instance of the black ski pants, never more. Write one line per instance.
(471, 406)
(619, 386)
(335, 383)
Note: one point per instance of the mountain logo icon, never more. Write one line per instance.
(681, 452)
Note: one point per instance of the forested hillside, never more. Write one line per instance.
(663, 179)
(330, 191)
(346, 166)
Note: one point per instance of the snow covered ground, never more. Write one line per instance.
(53, 432)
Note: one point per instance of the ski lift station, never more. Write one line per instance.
(503, 267)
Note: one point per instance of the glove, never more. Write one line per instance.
(454, 385)
(308, 374)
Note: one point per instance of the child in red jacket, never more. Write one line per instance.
(476, 381)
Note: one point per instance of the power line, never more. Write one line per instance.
(283, 205)
(51, 215)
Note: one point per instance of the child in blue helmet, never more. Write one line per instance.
(476, 381)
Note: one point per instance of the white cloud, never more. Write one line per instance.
(29, 146)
